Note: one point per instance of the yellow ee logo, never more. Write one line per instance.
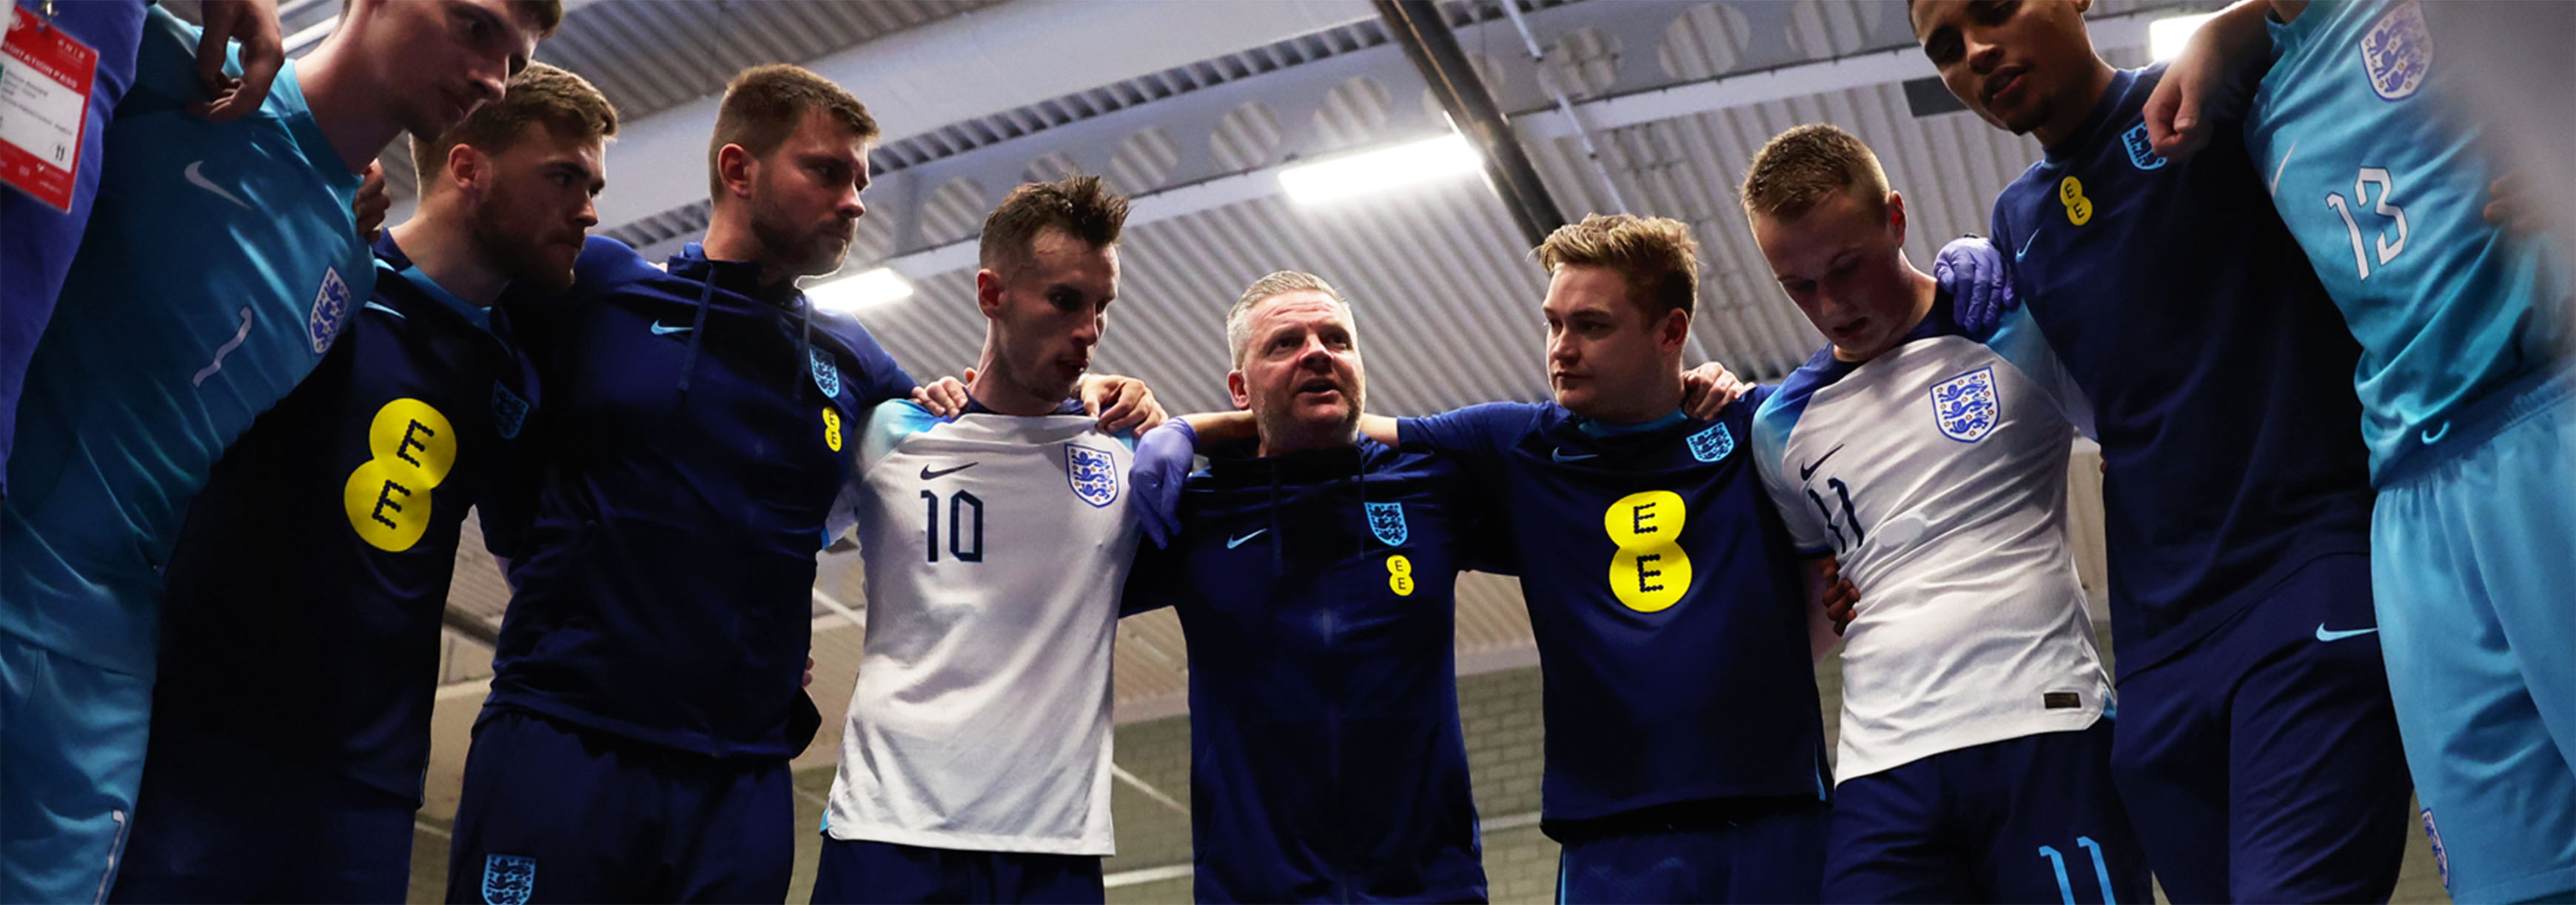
(2078, 208)
(1650, 571)
(388, 497)
(1399, 575)
(832, 428)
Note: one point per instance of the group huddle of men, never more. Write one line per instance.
(248, 438)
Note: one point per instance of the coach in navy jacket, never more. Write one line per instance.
(1315, 583)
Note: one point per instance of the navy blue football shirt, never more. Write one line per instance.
(1317, 591)
(1667, 602)
(699, 426)
(2220, 372)
(307, 586)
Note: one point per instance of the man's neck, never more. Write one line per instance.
(731, 240)
(350, 112)
(1663, 398)
(436, 242)
(2064, 120)
(999, 388)
(1296, 442)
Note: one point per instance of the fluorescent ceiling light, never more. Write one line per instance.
(866, 289)
(2166, 37)
(1373, 172)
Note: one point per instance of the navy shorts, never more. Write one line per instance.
(1743, 851)
(221, 822)
(863, 871)
(2262, 764)
(2029, 819)
(554, 813)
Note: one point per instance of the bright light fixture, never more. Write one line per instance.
(1373, 172)
(2166, 37)
(866, 289)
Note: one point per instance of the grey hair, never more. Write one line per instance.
(1238, 322)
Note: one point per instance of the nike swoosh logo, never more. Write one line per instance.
(1559, 454)
(927, 473)
(2025, 246)
(659, 330)
(1233, 542)
(199, 180)
(371, 304)
(1809, 470)
(2324, 635)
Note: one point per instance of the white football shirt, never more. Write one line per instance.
(1936, 474)
(995, 548)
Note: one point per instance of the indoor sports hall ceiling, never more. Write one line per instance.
(1194, 108)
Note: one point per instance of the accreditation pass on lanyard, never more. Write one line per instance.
(45, 76)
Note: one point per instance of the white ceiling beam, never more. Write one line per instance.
(975, 64)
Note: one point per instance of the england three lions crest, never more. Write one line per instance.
(1712, 444)
(2397, 51)
(509, 879)
(1965, 406)
(1093, 474)
(1386, 520)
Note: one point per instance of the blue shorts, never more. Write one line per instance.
(71, 754)
(220, 822)
(554, 813)
(37, 241)
(2029, 819)
(862, 871)
(1767, 850)
(2261, 764)
(2474, 542)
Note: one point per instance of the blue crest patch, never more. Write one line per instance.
(1386, 520)
(1093, 474)
(509, 879)
(2397, 51)
(2142, 152)
(330, 311)
(827, 376)
(1712, 444)
(508, 411)
(1965, 407)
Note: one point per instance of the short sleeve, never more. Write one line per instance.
(888, 423)
(2017, 339)
(1772, 425)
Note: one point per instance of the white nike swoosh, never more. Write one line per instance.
(371, 304)
(1559, 455)
(199, 180)
(1232, 543)
(659, 330)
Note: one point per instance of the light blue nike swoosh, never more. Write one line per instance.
(2324, 635)
(2025, 246)
(372, 304)
(1559, 455)
(1232, 543)
(659, 330)
(199, 180)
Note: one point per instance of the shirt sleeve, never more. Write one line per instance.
(1474, 432)
(884, 378)
(888, 424)
(2017, 339)
(1771, 428)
